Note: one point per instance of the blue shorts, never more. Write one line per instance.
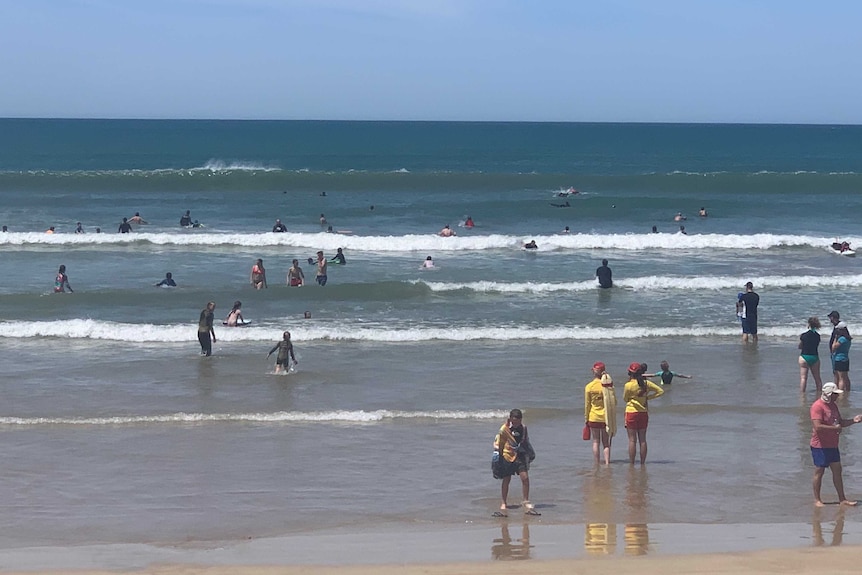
(321, 280)
(749, 326)
(823, 456)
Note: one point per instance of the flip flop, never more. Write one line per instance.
(531, 512)
(498, 514)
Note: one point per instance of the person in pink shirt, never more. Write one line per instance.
(827, 424)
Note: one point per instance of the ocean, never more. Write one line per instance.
(116, 431)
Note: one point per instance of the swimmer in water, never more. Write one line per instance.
(666, 374)
(285, 350)
(531, 245)
(427, 264)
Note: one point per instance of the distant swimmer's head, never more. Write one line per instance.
(428, 258)
(137, 214)
(168, 275)
(286, 335)
(237, 304)
(307, 315)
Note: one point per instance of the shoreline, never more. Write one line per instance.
(479, 549)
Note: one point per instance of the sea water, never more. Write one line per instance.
(115, 430)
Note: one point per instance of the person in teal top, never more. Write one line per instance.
(666, 374)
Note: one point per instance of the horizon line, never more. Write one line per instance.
(421, 121)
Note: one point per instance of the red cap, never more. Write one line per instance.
(599, 365)
(635, 367)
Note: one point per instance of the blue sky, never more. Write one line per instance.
(568, 60)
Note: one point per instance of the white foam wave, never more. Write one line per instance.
(276, 417)
(88, 329)
(215, 165)
(431, 242)
(650, 283)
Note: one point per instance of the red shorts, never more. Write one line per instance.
(596, 424)
(637, 419)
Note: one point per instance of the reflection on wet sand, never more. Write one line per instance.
(601, 503)
(504, 549)
(837, 529)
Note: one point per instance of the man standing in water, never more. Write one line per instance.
(603, 274)
(206, 333)
(285, 349)
(749, 323)
(827, 424)
(321, 269)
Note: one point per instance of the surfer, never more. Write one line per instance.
(600, 403)
(338, 258)
(679, 217)
(531, 245)
(321, 269)
(234, 318)
(566, 230)
(206, 332)
(427, 264)
(168, 281)
(125, 227)
(257, 278)
(604, 275)
(512, 456)
(447, 232)
(279, 227)
(468, 223)
(137, 219)
(682, 230)
(61, 282)
(637, 393)
(295, 277)
(285, 349)
(702, 213)
(186, 219)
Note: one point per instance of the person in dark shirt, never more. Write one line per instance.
(186, 219)
(168, 281)
(603, 274)
(279, 227)
(206, 333)
(125, 227)
(338, 258)
(809, 357)
(749, 323)
(285, 349)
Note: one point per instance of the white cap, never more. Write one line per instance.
(829, 388)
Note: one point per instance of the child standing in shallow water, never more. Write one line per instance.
(666, 374)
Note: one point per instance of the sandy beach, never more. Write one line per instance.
(810, 560)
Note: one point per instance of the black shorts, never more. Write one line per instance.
(841, 365)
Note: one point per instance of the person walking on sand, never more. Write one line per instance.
(285, 349)
(257, 278)
(637, 393)
(600, 403)
(206, 333)
(321, 269)
(295, 277)
(749, 323)
(827, 425)
(809, 357)
(512, 456)
(839, 347)
(61, 282)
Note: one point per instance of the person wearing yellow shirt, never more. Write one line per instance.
(637, 393)
(600, 403)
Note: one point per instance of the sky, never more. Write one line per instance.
(789, 61)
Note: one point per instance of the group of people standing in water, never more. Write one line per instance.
(513, 451)
(839, 350)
